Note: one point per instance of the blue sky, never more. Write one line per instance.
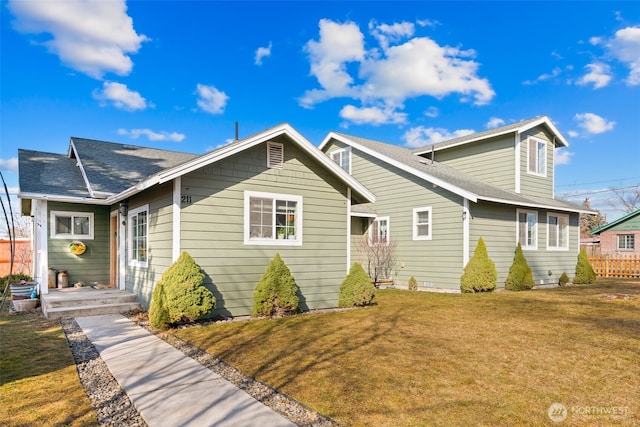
(178, 75)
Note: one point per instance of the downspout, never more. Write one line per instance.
(348, 229)
(41, 246)
(466, 218)
(177, 192)
(518, 166)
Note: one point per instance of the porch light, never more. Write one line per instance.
(123, 209)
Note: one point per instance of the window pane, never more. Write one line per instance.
(522, 228)
(285, 219)
(260, 218)
(422, 223)
(563, 233)
(63, 225)
(553, 231)
(531, 229)
(81, 225)
(541, 157)
(532, 156)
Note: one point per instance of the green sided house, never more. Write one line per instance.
(136, 209)
(434, 203)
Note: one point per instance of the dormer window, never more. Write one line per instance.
(343, 158)
(275, 155)
(537, 156)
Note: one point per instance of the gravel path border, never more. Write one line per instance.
(114, 408)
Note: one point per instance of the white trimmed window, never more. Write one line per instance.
(528, 229)
(275, 155)
(343, 158)
(138, 241)
(422, 223)
(557, 232)
(536, 156)
(272, 219)
(71, 225)
(625, 242)
(379, 232)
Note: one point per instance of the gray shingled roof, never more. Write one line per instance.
(48, 173)
(112, 167)
(456, 178)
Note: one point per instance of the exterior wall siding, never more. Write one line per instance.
(138, 280)
(212, 227)
(491, 161)
(534, 185)
(434, 263)
(496, 224)
(93, 265)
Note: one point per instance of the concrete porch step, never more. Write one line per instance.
(86, 301)
(89, 310)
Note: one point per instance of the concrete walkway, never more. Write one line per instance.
(167, 387)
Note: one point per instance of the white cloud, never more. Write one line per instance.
(432, 112)
(543, 77)
(562, 156)
(625, 47)
(152, 135)
(372, 115)
(10, 165)
(599, 75)
(338, 45)
(494, 122)
(421, 136)
(389, 74)
(211, 99)
(93, 37)
(427, 23)
(593, 124)
(262, 52)
(573, 134)
(120, 97)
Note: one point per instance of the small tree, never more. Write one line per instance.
(180, 295)
(564, 279)
(276, 293)
(413, 284)
(380, 257)
(520, 276)
(356, 289)
(480, 274)
(584, 271)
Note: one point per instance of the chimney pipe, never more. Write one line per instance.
(236, 131)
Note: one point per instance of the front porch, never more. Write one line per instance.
(86, 301)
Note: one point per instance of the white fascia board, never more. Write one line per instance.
(72, 148)
(547, 121)
(257, 139)
(535, 205)
(437, 181)
(363, 215)
(66, 199)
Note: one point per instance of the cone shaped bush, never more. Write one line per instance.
(276, 293)
(564, 279)
(520, 276)
(413, 284)
(180, 295)
(356, 289)
(480, 274)
(584, 271)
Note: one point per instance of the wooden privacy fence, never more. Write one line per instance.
(616, 265)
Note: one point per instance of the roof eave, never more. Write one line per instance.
(615, 222)
(535, 205)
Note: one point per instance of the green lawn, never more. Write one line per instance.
(449, 359)
(39, 384)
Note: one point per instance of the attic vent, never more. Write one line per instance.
(275, 155)
(129, 147)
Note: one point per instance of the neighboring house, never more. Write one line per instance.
(620, 237)
(136, 209)
(435, 202)
(21, 257)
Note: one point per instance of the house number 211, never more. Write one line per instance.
(185, 200)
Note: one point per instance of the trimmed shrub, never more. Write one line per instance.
(564, 279)
(413, 284)
(276, 293)
(480, 274)
(584, 271)
(520, 277)
(356, 289)
(180, 296)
